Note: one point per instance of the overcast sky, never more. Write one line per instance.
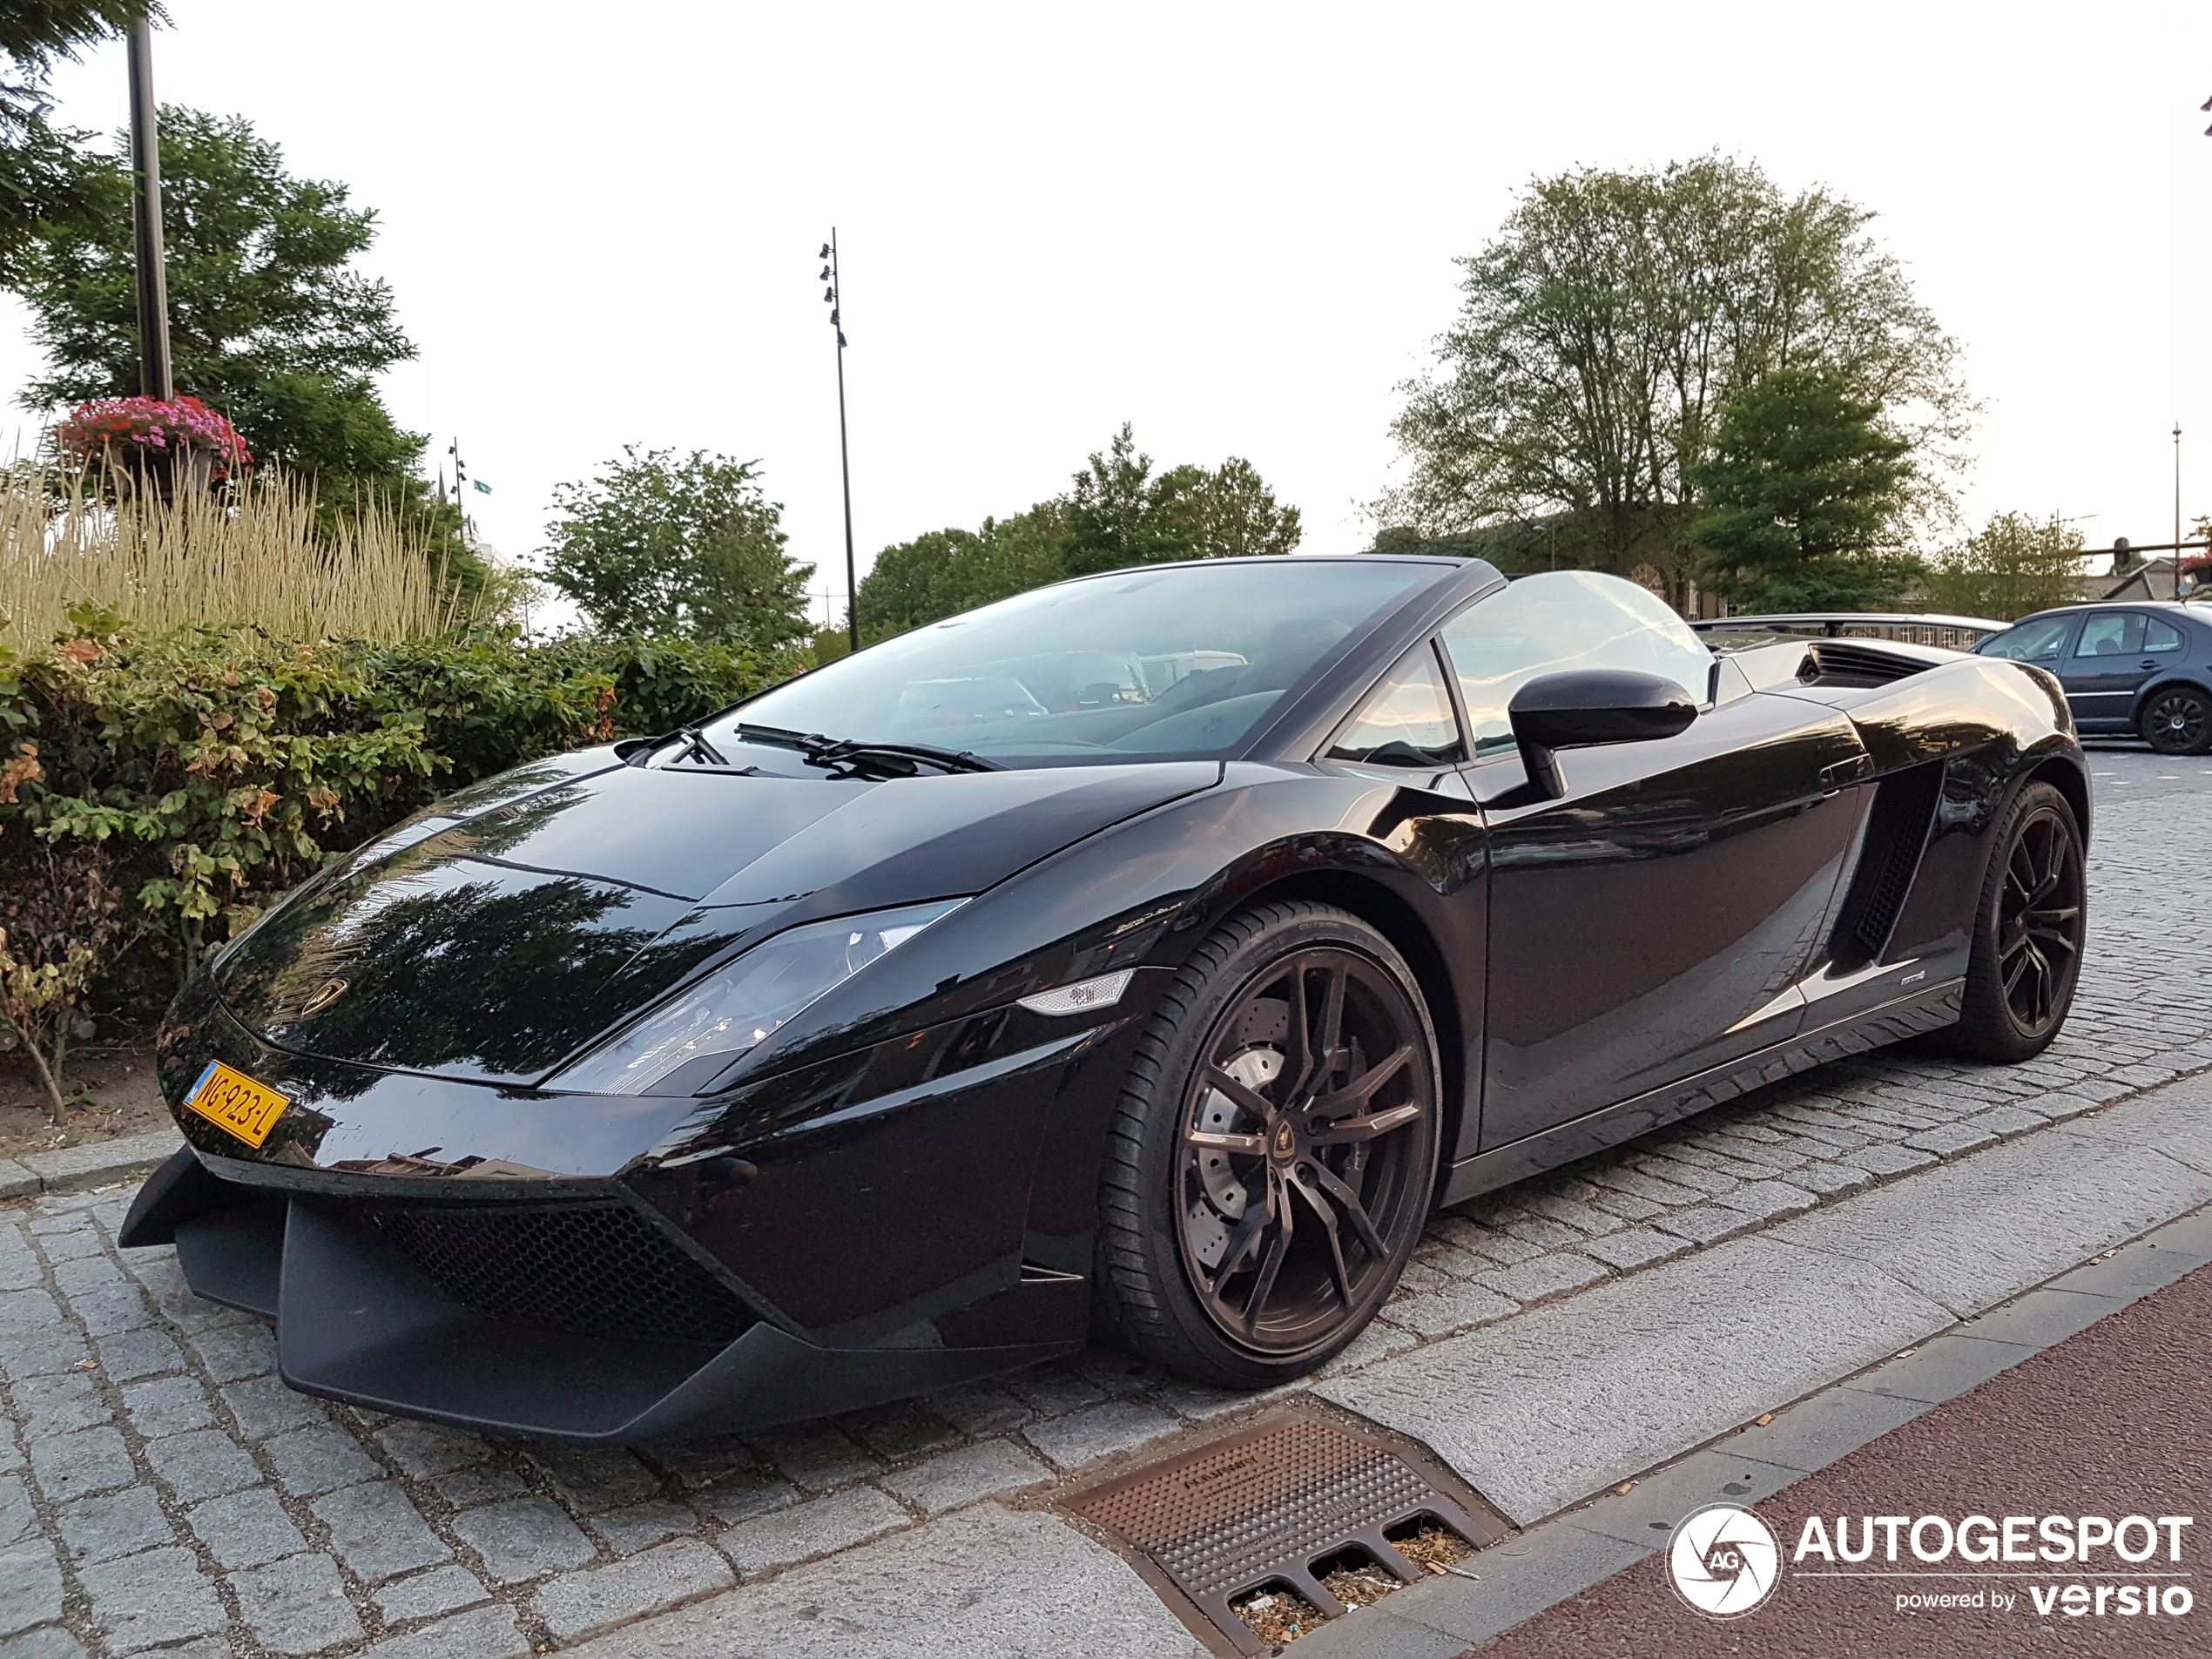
(1232, 225)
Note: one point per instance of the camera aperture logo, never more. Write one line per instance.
(1724, 1561)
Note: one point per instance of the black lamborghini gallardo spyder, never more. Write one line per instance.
(1152, 951)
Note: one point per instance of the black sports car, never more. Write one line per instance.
(1156, 948)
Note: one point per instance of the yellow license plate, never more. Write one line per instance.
(234, 1101)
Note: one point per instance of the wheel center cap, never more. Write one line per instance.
(1283, 1144)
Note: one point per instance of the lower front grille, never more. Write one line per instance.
(601, 1269)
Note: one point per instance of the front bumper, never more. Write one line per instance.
(368, 1314)
(614, 1270)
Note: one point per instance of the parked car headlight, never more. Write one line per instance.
(737, 1008)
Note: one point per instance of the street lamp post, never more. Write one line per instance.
(2177, 509)
(831, 297)
(145, 179)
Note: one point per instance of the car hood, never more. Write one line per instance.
(493, 937)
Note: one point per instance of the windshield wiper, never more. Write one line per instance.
(696, 747)
(884, 759)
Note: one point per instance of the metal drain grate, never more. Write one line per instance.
(1262, 1507)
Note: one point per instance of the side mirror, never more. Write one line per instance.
(1591, 705)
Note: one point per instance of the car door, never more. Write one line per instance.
(1655, 920)
(1406, 735)
(2164, 651)
(2107, 667)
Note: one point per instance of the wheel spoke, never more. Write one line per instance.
(1241, 1241)
(1246, 1099)
(1297, 1061)
(1361, 1090)
(1346, 1130)
(1348, 1203)
(1250, 1145)
(1327, 1217)
(1269, 1265)
(1330, 1044)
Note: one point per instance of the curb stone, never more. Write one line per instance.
(76, 1169)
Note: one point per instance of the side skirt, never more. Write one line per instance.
(1907, 1016)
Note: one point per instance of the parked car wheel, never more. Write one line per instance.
(2028, 932)
(2177, 721)
(1275, 1151)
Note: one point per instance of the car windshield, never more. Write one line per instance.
(1180, 662)
(2037, 640)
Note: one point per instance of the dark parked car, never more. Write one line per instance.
(2141, 670)
(1158, 948)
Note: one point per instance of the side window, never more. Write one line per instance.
(1559, 620)
(2040, 641)
(2115, 633)
(1407, 722)
(2161, 636)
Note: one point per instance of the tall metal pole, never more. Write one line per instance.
(2177, 509)
(843, 449)
(146, 177)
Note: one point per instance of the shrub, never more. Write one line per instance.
(213, 771)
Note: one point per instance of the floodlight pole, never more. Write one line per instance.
(154, 380)
(844, 448)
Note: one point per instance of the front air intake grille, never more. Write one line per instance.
(601, 1269)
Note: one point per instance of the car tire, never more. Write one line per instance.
(2177, 720)
(2028, 933)
(1197, 1268)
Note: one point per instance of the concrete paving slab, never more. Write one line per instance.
(1978, 1230)
(1814, 1432)
(1543, 1409)
(2042, 1317)
(986, 1583)
(1649, 1512)
(1940, 1368)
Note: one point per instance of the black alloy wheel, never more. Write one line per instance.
(2177, 720)
(1276, 1150)
(2028, 934)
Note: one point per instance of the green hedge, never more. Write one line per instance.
(196, 776)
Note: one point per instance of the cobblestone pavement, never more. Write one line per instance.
(160, 1488)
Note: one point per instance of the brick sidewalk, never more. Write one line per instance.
(160, 1484)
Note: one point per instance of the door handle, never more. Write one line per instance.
(2148, 663)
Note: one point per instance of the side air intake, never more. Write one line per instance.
(1897, 829)
(1851, 662)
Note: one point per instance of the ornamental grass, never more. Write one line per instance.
(250, 556)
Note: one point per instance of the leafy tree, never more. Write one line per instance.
(1229, 513)
(943, 572)
(268, 321)
(2013, 566)
(1609, 323)
(1803, 490)
(659, 545)
(40, 189)
(1119, 514)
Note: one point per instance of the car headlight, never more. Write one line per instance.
(735, 1009)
